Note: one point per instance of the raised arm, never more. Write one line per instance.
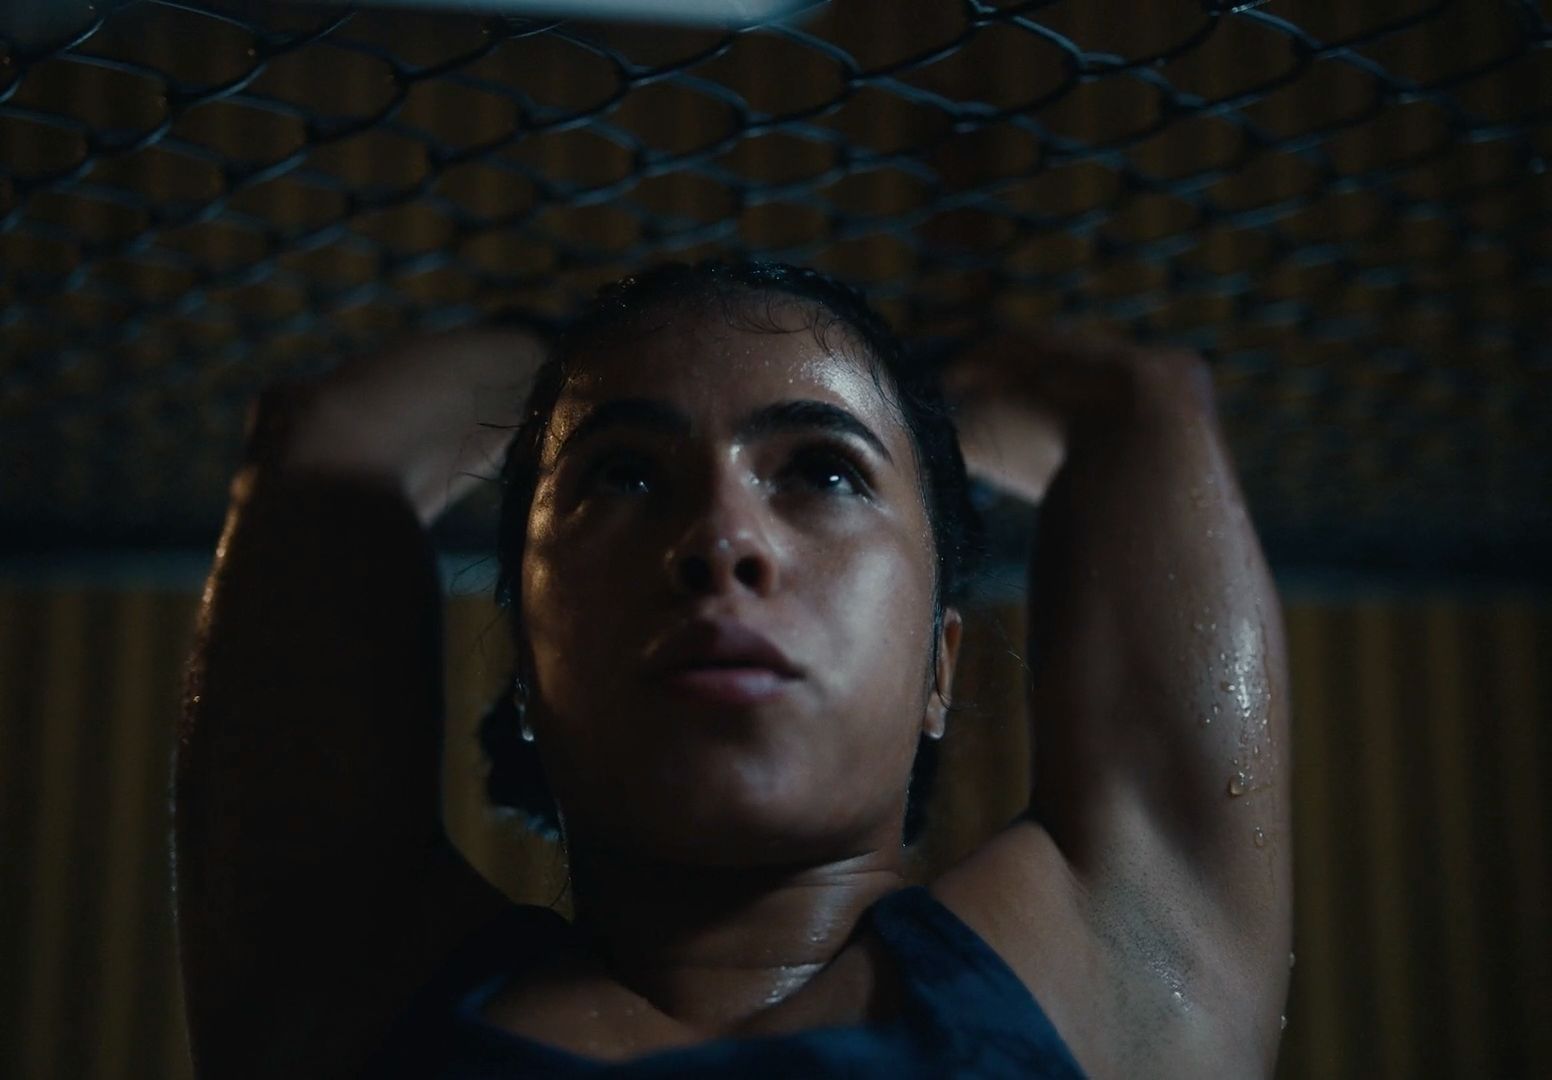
(1160, 701)
(315, 885)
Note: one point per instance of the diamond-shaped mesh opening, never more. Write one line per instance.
(1455, 40)
(888, 38)
(554, 77)
(1347, 208)
(1112, 111)
(998, 70)
(776, 76)
(875, 120)
(244, 137)
(1237, 59)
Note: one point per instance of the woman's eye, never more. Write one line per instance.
(621, 473)
(829, 472)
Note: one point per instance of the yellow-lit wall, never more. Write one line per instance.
(1422, 820)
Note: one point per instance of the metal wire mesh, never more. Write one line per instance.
(1350, 215)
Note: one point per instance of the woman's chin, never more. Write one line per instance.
(726, 829)
(746, 849)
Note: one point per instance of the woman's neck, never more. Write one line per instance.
(713, 947)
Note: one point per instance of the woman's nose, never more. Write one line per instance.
(726, 547)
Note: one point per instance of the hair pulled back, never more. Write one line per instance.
(516, 779)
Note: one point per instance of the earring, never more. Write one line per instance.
(520, 704)
(942, 721)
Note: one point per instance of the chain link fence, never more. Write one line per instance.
(1347, 208)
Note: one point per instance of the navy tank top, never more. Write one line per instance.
(964, 1014)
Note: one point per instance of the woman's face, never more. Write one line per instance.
(703, 486)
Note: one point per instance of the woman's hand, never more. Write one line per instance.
(429, 417)
(1023, 402)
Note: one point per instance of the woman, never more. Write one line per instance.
(733, 531)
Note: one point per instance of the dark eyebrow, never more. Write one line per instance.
(788, 416)
(783, 416)
(643, 413)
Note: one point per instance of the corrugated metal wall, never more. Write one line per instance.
(1424, 868)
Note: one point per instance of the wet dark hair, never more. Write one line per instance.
(516, 780)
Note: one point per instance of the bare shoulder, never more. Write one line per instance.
(1128, 968)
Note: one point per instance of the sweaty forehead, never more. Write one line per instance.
(714, 369)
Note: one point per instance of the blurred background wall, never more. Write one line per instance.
(1424, 873)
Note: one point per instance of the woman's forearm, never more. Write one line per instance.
(1025, 403)
(427, 418)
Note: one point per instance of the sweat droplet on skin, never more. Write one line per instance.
(1258, 838)
(1282, 1023)
(1238, 783)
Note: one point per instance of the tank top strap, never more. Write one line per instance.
(960, 985)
